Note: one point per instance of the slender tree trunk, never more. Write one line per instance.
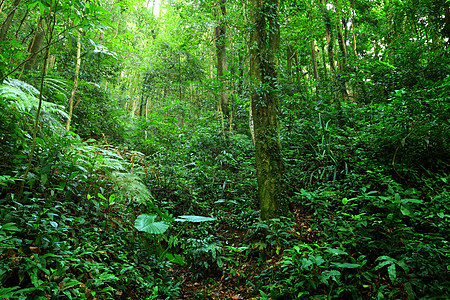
(343, 84)
(324, 62)
(2, 2)
(390, 34)
(290, 61)
(298, 68)
(313, 48)
(75, 81)
(36, 122)
(353, 28)
(342, 47)
(264, 48)
(314, 59)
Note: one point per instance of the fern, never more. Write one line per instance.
(129, 186)
(57, 86)
(25, 98)
(105, 161)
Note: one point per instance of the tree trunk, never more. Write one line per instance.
(36, 121)
(343, 84)
(35, 45)
(75, 81)
(314, 59)
(5, 26)
(290, 61)
(298, 68)
(264, 47)
(220, 35)
(353, 29)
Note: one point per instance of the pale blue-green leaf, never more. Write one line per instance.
(195, 219)
(147, 224)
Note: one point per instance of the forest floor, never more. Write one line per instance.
(234, 280)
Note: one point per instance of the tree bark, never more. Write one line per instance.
(314, 59)
(75, 81)
(220, 35)
(290, 61)
(353, 29)
(7, 23)
(264, 48)
(35, 45)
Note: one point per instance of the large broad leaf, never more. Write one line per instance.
(195, 219)
(147, 224)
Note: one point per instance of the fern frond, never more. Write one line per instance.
(130, 187)
(56, 84)
(105, 160)
(25, 97)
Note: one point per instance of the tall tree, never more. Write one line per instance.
(220, 35)
(264, 48)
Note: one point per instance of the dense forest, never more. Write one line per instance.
(214, 149)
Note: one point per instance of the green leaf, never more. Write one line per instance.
(318, 260)
(195, 219)
(325, 275)
(8, 292)
(175, 258)
(336, 251)
(346, 265)
(147, 224)
(406, 210)
(10, 227)
(404, 201)
(392, 273)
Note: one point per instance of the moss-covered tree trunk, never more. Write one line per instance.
(264, 47)
(220, 36)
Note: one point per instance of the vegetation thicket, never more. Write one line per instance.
(261, 149)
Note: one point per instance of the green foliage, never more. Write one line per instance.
(24, 97)
(365, 180)
(147, 224)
